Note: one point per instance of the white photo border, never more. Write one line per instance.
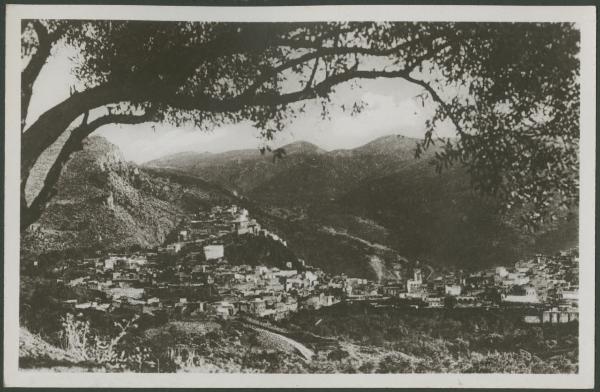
(583, 16)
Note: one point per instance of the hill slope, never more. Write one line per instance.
(104, 201)
(440, 219)
(238, 170)
(304, 175)
(375, 197)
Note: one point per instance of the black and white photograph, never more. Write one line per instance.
(370, 195)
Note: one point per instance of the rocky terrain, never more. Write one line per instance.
(358, 211)
(103, 201)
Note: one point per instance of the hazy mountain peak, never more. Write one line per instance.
(389, 143)
(302, 147)
(181, 155)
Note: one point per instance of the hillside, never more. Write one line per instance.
(326, 177)
(304, 175)
(238, 170)
(441, 220)
(104, 201)
(342, 208)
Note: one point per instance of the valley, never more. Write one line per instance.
(379, 193)
(340, 210)
(241, 262)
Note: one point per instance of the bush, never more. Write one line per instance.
(338, 355)
(84, 345)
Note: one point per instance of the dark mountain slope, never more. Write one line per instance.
(322, 178)
(252, 173)
(335, 252)
(440, 219)
(238, 170)
(341, 208)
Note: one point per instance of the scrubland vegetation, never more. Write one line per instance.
(365, 340)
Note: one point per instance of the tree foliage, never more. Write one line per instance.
(509, 89)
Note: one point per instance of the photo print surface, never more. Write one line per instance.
(288, 197)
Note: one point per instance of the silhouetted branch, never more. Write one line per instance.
(33, 68)
(31, 213)
(313, 73)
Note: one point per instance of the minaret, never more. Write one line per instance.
(418, 278)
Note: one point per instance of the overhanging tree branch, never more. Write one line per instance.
(436, 97)
(239, 102)
(312, 75)
(48, 127)
(187, 68)
(51, 124)
(322, 51)
(34, 66)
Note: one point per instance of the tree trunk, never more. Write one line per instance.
(50, 125)
(33, 68)
(31, 213)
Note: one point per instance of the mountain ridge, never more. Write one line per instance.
(290, 148)
(381, 193)
(244, 171)
(356, 212)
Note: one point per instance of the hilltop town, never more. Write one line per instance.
(191, 277)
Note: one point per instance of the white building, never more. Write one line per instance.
(183, 235)
(214, 252)
(261, 270)
(515, 279)
(415, 285)
(174, 247)
(435, 302)
(128, 292)
(501, 272)
(285, 273)
(110, 263)
(137, 261)
(311, 277)
(453, 290)
(528, 297)
(569, 296)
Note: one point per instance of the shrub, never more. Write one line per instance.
(338, 355)
(84, 345)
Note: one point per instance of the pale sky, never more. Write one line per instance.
(392, 108)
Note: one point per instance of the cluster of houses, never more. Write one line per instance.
(198, 284)
(191, 277)
(547, 286)
(218, 222)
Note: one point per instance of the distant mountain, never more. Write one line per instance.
(324, 177)
(301, 147)
(104, 201)
(186, 156)
(305, 173)
(239, 170)
(341, 208)
(386, 145)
